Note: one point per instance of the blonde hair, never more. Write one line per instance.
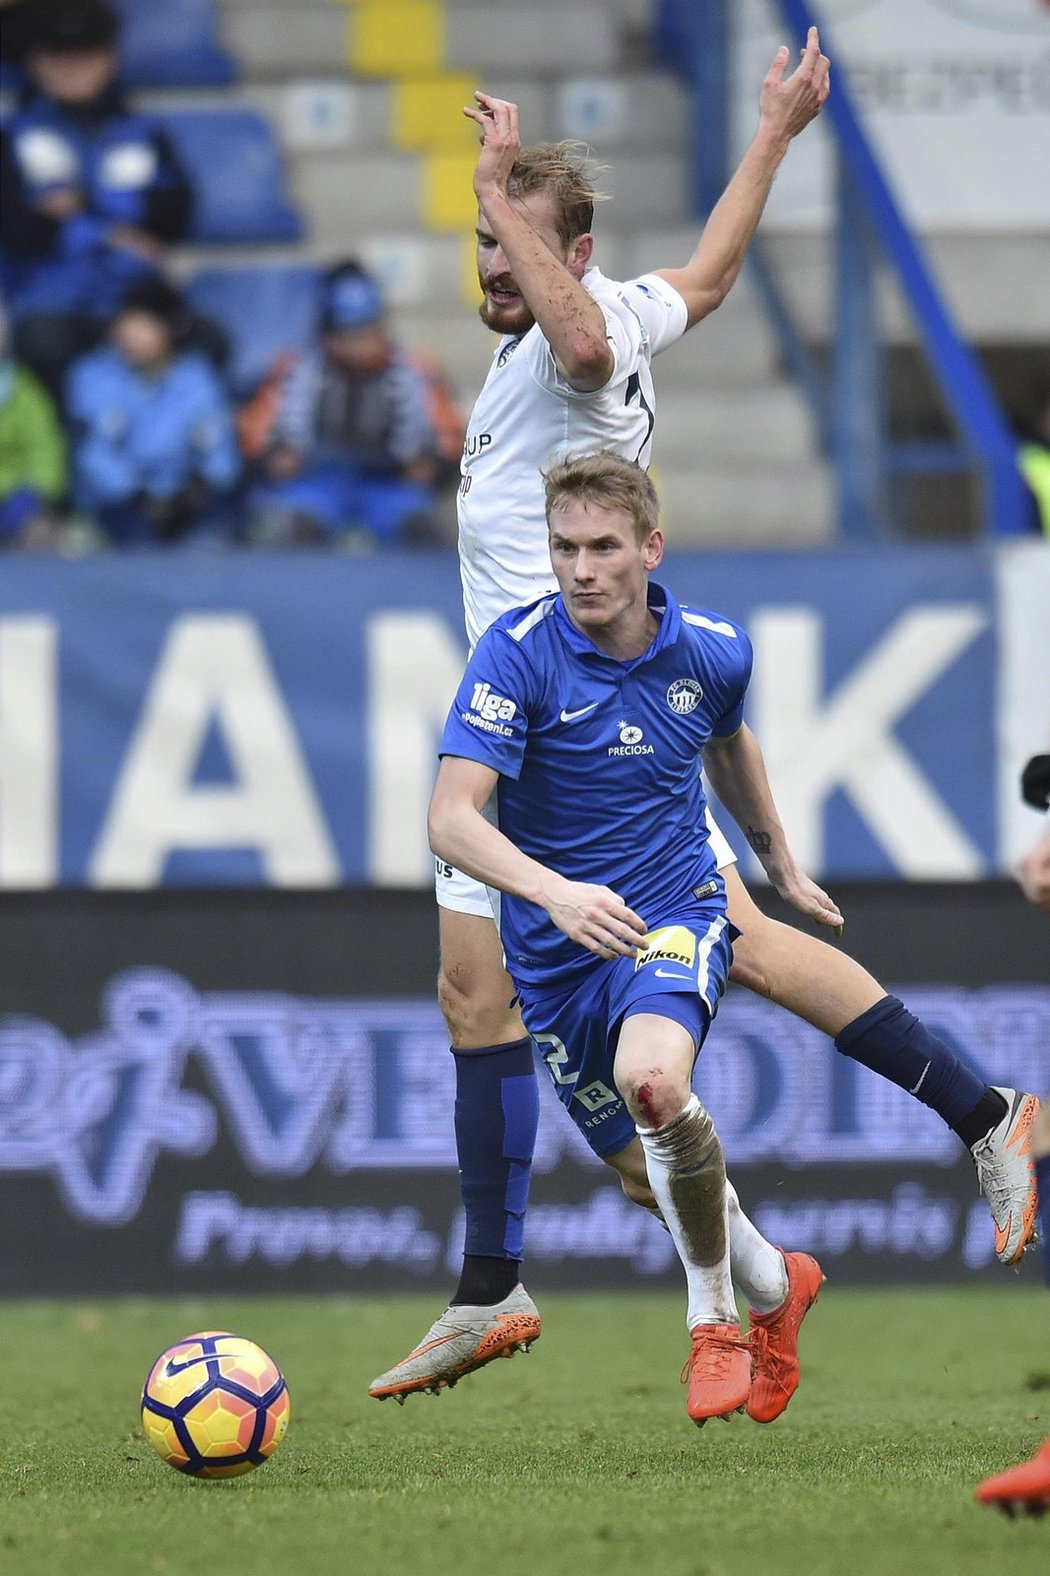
(564, 171)
(605, 479)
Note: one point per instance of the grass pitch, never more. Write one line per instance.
(577, 1459)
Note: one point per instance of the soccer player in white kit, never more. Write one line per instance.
(572, 372)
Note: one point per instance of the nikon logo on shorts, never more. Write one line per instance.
(672, 944)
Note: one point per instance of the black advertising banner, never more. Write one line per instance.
(203, 1091)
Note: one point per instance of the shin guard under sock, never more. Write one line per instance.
(497, 1113)
(895, 1044)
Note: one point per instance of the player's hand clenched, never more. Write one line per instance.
(788, 104)
(595, 917)
(500, 142)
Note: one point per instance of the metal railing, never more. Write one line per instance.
(848, 397)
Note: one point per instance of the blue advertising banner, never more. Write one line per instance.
(234, 1138)
(181, 719)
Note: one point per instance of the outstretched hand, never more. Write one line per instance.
(811, 900)
(500, 142)
(787, 104)
(597, 918)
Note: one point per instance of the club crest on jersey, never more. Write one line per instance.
(684, 696)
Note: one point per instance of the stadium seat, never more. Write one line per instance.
(264, 311)
(173, 43)
(235, 164)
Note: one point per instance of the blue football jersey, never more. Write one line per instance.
(599, 760)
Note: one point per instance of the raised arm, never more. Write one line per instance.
(786, 107)
(570, 319)
(736, 770)
(590, 915)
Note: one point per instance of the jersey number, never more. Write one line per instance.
(594, 1096)
(556, 1056)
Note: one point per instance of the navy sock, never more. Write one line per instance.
(484, 1282)
(893, 1043)
(497, 1113)
(1042, 1182)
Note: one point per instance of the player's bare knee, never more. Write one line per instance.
(654, 1096)
(475, 1012)
(463, 1007)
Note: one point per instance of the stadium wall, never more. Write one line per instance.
(189, 719)
(245, 1090)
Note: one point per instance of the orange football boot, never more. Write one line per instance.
(774, 1340)
(1022, 1489)
(718, 1372)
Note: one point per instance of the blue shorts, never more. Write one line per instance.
(680, 973)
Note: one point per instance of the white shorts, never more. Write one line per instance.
(463, 895)
(724, 855)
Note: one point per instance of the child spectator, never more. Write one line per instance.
(92, 190)
(32, 455)
(156, 456)
(363, 435)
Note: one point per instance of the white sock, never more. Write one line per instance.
(687, 1173)
(758, 1267)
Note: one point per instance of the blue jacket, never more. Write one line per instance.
(154, 435)
(127, 174)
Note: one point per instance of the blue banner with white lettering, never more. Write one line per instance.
(181, 718)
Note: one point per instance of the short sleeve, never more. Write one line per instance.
(488, 720)
(660, 309)
(736, 672)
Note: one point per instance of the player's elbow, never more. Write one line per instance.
(588, 361)
(708, 297)
(439, 821)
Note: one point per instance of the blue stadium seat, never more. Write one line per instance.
(235, 164)
(263, 310)
(173, 43)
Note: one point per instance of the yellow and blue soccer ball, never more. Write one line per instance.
(215, 1405)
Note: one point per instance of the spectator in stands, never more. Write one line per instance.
(363, 435)
(32, 455)
(156, 457)
(92, 190)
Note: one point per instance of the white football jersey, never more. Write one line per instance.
(527, 415)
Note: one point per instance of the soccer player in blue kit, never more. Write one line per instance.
(586, 714)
